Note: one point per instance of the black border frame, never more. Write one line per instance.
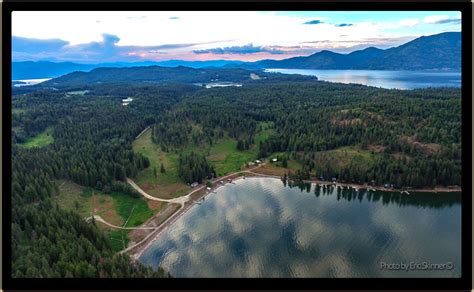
(463, 283)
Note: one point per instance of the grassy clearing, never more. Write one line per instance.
(223, 155)
(343, 157)
(42, 139)
(118, 239)
(136, 210)
(226, 158)
(86, 202)
(163, 185)
(115, 208)
(277, 169)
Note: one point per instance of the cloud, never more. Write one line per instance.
(241, 50)
(315, 21)
(137, 17)
(343, 24)
(106, 50)
(441, 19)
(409, 22)
(27, 45)
(347, 46)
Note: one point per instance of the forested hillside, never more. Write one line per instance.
(92, 147)
(407, 138)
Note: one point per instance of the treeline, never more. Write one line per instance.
(51, 243)
(92, 147)
(422, 125)
(194, 168)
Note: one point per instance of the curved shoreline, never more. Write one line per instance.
(153, 236)
(168, 222)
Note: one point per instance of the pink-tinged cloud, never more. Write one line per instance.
(108, 50)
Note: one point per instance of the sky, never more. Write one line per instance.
(135, 36)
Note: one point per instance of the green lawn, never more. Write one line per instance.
(225, 157)
(118, 239)
(115, 208)
(136, 210)
(42, 139)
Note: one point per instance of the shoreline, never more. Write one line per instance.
(199, 195)
(175, 216)
(439, 189)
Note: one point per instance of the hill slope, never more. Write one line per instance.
(156, 74)
(436, 52)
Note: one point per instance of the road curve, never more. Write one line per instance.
(174, 216)
(100, 219)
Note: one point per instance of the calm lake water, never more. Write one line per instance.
(28, 82)
(258, 227)
(384, 79)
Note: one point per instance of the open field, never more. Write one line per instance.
(343, 157)
(277, 169)
(42, 139)
(223, 155)
(115, 208)
(165, 185)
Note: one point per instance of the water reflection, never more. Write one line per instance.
(382, 78)
(419, 199)
(257, 227)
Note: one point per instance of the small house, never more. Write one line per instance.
(258, 161)
(333, 179)
(194, 184)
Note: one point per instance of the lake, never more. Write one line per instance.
(28, 82)
(259, 227)
(384, 79)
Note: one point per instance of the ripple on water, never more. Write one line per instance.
(258, 227)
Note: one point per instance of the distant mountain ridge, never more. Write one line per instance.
(440, 52)
(47, 69)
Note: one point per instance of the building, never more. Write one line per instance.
(194, 184)
(127, 100)
(275, 159)
(258, 161)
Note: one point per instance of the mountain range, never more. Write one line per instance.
(440, 52)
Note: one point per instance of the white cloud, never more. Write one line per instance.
(409, 22)
(208, 30)
(435, 18)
